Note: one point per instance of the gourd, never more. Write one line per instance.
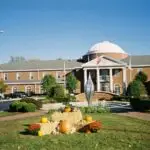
(44, 120)
(67, 109)
(64, 126)
(40, 133)
(88, 118)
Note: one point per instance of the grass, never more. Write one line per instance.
(6, 113)
(118, 133)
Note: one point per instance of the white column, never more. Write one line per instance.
(98, 79)
(111, 80)
(35, 89)
(85, 76)
(124, 80)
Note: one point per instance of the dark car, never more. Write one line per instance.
(18, 95)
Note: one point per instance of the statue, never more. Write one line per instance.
(89, 90)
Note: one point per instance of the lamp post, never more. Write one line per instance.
(89, 90)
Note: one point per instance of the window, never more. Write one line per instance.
(116, 72)
(58, 75)
(105, 87)
(14, 89)
(17, 76)
(117, 89)
(28, 89)
(5, 76)
(139, 69)
(31, 76)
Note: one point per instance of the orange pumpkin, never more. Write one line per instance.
(64, 126)
(67, 109)
(88, 118)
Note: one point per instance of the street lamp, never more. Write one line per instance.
(89, 90)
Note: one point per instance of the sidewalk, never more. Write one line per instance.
(23, 115)
(138, 115)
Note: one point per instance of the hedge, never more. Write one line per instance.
(31, 100)
(22, 107)
(140, 104)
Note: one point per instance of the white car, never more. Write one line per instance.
(2, 96)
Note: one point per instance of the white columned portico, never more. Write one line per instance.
(85, 76)
(124, 80)
(98, 79)
(111, 80)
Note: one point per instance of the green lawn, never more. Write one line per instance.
(5, 113)
(118, 133)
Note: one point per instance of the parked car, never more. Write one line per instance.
(2, 96)
(18, 95)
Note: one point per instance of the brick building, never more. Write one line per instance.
(111, 69)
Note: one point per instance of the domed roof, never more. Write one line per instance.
(106, 47)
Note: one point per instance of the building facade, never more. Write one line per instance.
(110, 67)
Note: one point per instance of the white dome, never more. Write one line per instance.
(106, 47)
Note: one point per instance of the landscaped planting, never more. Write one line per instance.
(22, 107)
(116, 133)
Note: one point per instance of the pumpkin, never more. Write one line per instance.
(67, 109)
(40, 133)
(64, 126)
(88, 118)
(44, 120)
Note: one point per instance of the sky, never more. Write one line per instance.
(51, 29)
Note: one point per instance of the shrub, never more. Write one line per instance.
(22, 107)
(95, 109)
(121, 98)
(16, 106)
(38, 103)
(71, 83)
(141, 76)
(47, 83)
(136, 89)
(140, 104)
(29, 107)
(59, 91)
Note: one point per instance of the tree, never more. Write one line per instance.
(136, 88)
(16, 59)
(141, 76)
(71, 83)
(3, 86)
(48, 82)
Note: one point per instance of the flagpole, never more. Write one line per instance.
(64, 74)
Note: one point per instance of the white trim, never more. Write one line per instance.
(136, 66)
(12, 89)
(101, 67)
(23, 83)
(61, 69)
(26, 86)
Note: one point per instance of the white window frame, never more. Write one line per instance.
(139, 69)
(117, 85)
(17, 76)
(31, 77)
(5, 76)
(57, 73)
(14, 88)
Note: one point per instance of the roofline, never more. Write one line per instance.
(40, 69)
(147, 65)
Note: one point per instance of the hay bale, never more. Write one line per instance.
(49, 127)
(72, 117)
